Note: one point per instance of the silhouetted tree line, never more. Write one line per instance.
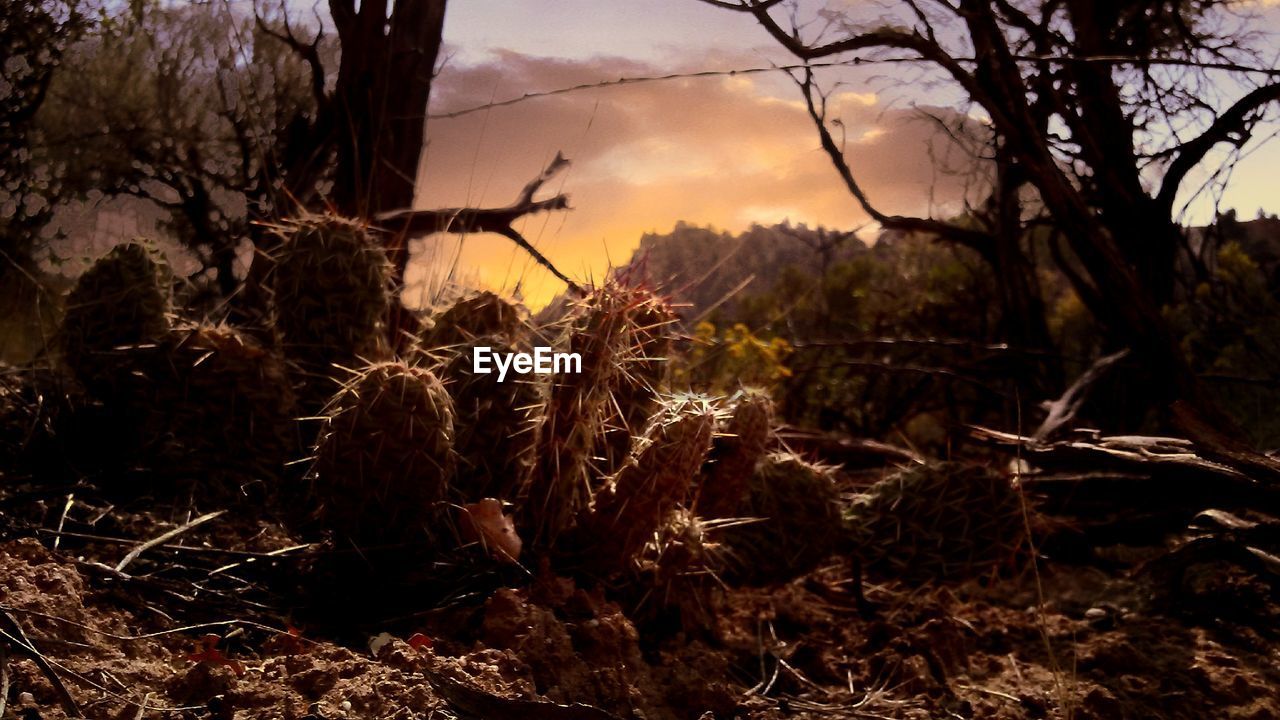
(902, 337)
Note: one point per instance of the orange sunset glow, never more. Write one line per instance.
(725, 151)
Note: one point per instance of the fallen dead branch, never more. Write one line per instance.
(1062, 411)
(1128, 487)
(1093, 451)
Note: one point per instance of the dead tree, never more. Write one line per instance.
(371, 124)
(368, 131)
(1077, 94)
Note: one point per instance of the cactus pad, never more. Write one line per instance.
(226, 403)
(495, 424)
(569, 430)
(475, 316)
(652, 483)
(331, 287)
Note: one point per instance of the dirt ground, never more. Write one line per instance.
(1058, 642)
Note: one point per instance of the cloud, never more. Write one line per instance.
(724, 151)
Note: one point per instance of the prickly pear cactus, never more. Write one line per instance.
(226, 403)
(563, 478)
(738, 446)
(943, 521)
(385, 456)
(495, 424)
(479, 315)
(797, 527)
(331, 287)
(651, 484)
(119, 303)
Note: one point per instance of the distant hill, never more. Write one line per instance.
(702, 268)
(1259, 238)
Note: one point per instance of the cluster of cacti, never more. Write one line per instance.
(119, 304)
(944, 521)
(791, 523)
(204, 407)
(385, 456)
(331, 286)
(737, 449)
(666, 496)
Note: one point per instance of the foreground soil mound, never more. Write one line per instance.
(1094, 648)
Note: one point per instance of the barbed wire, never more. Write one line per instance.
(851, 62)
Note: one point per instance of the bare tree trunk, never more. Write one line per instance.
(380, 100)
(1023, 317)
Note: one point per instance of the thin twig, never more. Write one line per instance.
(11, 631)
(62, 520)
(166, 537)
(4, 679)
(176, 547)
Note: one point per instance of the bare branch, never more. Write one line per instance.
(408, 223)
(1231, 126)
(308, 51)
(744, 6)
(965, 236)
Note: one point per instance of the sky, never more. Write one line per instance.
(724, 151)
